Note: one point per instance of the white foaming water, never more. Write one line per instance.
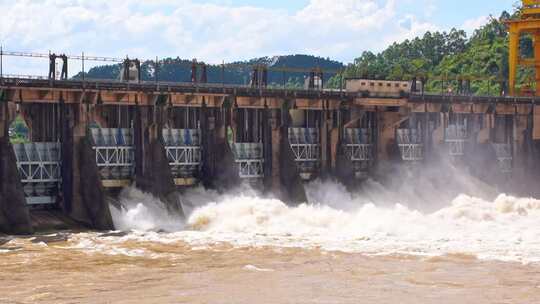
(141, 211)
(506, 228)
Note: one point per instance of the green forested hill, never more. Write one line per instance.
(179, 70)
(444, 57)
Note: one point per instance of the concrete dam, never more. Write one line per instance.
(90, 139)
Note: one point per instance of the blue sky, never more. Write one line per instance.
(227, 30)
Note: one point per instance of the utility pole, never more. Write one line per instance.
(223, 73)
(82, 59)
(1, 63)
(156, 70)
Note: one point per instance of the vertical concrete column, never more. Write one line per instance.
(325, 145)
(275, 133)
(226, 174)
(387, 123)
(153, 173)
(484, 135)
(336, 129)
(521, 137)
(437, 137)
(14, 214)
(286, 181)
(341, 163)
(268, 123)
(84, 198)
(208, 142)
(236, 123)
(5, 117)
(335, 143)
(427, 140)
(329, 141)
(217, 157)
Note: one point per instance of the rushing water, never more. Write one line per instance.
(410, 244)
(505, 229)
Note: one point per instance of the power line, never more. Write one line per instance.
(72, 57)
(227, 65)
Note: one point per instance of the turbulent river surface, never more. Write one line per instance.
(411, 245)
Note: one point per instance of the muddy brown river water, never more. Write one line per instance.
(118, 271)
(243, 248)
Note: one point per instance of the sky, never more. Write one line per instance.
(227, 30)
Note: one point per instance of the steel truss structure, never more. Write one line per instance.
(39, 166)
(359, 152)
(184, 151)
(249, 160)
(456, 147)
(412, 152)
(306, 152)
(250, 168)
(185, 161)
(115, 154)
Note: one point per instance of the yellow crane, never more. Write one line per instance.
(528, 23)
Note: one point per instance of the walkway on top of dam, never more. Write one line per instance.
(219, 89)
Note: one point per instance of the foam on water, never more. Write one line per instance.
(507, 228)
(141, 211)
(504, 228)
(255, 268)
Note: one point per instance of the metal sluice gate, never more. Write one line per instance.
(184, 153)
(456, 137)
(115, 156)
(410, 145)
(249, 158)
(39, 166)
(306, 147)
(358, 146)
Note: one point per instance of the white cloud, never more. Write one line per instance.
(471, 25)
(339, 29)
